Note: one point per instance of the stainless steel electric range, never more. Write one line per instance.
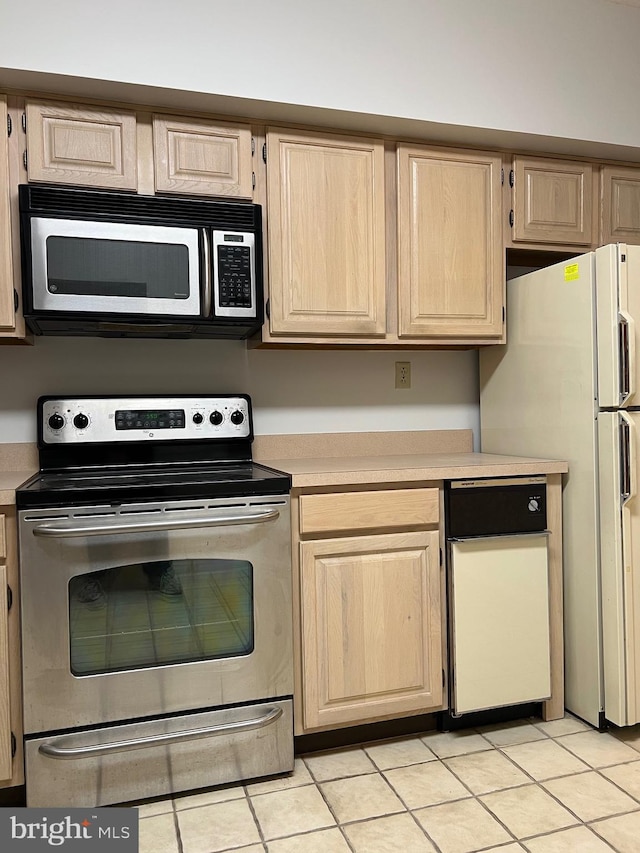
(155, 565)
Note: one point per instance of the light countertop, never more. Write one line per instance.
(410, 467)
(9, 482)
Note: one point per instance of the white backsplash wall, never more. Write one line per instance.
(293, 391)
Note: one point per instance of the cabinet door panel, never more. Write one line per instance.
(620, 205)
(553, 201)
(7, 315)
(6, 766)
(371, 627)
(450, 266)
(326, 235)
(203, 157)
(91, 146)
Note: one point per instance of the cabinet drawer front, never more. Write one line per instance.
(385, 510)
(3, 538)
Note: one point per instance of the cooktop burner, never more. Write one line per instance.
(123, 449)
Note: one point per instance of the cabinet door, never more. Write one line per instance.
(203, 157)
(326, 222)
(450, 264)
(620, 189)
(552, 201)
(7, 314)
(371, 627)
(86, 145)
(500, 621)
(11, 766)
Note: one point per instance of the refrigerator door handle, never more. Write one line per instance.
(627, 350)
(627, 458)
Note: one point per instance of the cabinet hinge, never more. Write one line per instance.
(623, 258)
(24, 122)
(264, 152)
(14, 745)
(9, 597)
(24, 159)
(502, 176)
(511, 218)
(9, 125)
(512, 178)
(443, 678)
(267, 309)
(253, 180)
(504, 314)
(440, 556)
(16, 300)
(253, 146)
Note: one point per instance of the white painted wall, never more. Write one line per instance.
(545, 67)
(565, 68)
(292, 391)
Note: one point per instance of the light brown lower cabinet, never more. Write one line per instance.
(11, 761)
(371, 628)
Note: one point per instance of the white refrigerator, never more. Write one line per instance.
(567, 386)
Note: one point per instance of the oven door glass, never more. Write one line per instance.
(160, 612)
(115, 267)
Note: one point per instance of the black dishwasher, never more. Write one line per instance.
(498, 593)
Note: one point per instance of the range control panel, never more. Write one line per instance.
(84, 420)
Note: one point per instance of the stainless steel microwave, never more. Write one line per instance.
(110, 264)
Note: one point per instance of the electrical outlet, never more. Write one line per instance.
(403, 374)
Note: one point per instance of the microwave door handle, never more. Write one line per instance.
(206, 270)
(61, 531)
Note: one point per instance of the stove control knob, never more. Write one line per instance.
(56, 421)
(237, 418)
(197, 418)
(81, 421)
(216, 418)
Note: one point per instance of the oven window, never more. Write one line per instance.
(160, 613)
(124, 268)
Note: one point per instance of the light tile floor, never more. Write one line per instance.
(557, 787)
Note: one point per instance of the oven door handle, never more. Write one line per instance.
(75, 752)
(61, 531)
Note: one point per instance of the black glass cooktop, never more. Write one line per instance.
(117, 485)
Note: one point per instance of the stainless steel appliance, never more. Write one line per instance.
(567, 385)
(156, 601)
(110, 264)
(497, 566)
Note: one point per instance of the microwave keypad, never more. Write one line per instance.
(234, 276)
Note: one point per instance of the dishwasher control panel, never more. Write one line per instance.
(496, 506)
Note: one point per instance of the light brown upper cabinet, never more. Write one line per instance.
(620, 213)
(7, 313)
(326, 235)
(552, 201)
(450, 258)
(202, 157)
(86, 145)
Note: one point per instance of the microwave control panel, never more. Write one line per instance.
(234, 274)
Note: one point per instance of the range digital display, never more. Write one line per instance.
(150, 419)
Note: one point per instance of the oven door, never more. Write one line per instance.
(117, 268)
(141, 610)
